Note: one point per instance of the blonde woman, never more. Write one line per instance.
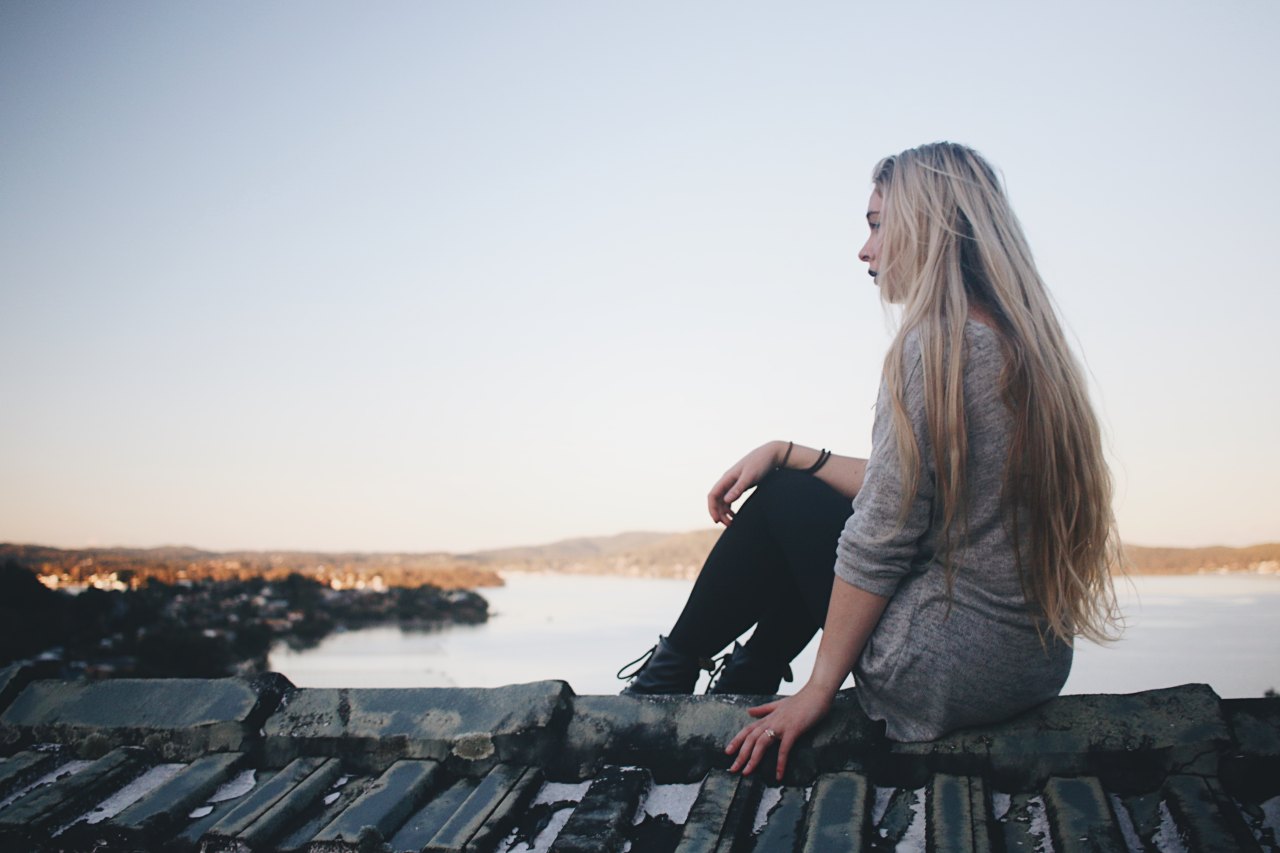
(981, 538)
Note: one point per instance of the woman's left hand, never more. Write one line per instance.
(781, 722)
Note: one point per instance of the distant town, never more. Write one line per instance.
(132, 568)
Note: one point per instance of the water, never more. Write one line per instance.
(1212, 629)
(579, 629)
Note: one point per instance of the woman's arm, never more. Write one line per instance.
(851, 617)
(842, 473)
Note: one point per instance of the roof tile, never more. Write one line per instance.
(465, 769)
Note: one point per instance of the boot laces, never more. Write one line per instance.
(718, 667)
(721, 662)
(711, 665)
(638, 663)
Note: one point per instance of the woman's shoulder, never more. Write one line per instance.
(980, 330)
(980, 340)
(982, 346)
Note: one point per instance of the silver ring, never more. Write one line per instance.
(770, 733)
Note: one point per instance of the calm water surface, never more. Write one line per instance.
(1218, 630)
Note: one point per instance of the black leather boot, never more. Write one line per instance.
(663, 669)
(747, 673)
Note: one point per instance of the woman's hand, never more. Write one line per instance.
(745, 473)
(851, 617)
(781, 722)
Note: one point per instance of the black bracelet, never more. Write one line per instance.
(787, 455)
(822, 460)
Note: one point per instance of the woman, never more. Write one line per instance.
(981, 537)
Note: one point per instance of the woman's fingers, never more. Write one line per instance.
(749, 754)
(738, 745)
(735, 490)
(765, 709)
(728, 489)
(784, 750)
(740, 738)
(737, 741)
(764, 740)
(751, 744)
(744, 754)
(742, 743)
(739, 758)
(743, 475)
(717, 504)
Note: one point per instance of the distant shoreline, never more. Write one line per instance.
(1246, 572)
(635, 554)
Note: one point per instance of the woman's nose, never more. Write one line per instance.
(864, 254)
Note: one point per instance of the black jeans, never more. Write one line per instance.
(771, 568)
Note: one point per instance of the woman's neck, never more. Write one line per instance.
(980, 315)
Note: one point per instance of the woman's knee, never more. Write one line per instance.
(787, 488)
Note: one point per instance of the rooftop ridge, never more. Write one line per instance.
(1212, 765)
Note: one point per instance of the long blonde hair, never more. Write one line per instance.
(950, 241)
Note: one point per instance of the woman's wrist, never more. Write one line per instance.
(782, 453)
(822, 692)
(792, 455)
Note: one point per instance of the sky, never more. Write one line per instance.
(451, 276)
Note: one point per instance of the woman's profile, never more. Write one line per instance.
(980, 539)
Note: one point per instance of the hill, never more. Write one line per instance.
(635, 554)
(632, 554)
(1263, 559)
(682, 554)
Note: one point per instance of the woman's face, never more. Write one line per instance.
(870, 252)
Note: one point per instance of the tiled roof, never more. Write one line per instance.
(256, 764)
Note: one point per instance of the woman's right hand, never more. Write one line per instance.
(745, 473)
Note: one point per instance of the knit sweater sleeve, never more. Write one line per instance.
(875, 552)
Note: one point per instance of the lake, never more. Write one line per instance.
(1215, 629)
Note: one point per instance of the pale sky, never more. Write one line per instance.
(446, 275)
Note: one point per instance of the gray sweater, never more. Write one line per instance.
(929, 668)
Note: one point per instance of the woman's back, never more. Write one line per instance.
(952, 248)
(946, 654)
